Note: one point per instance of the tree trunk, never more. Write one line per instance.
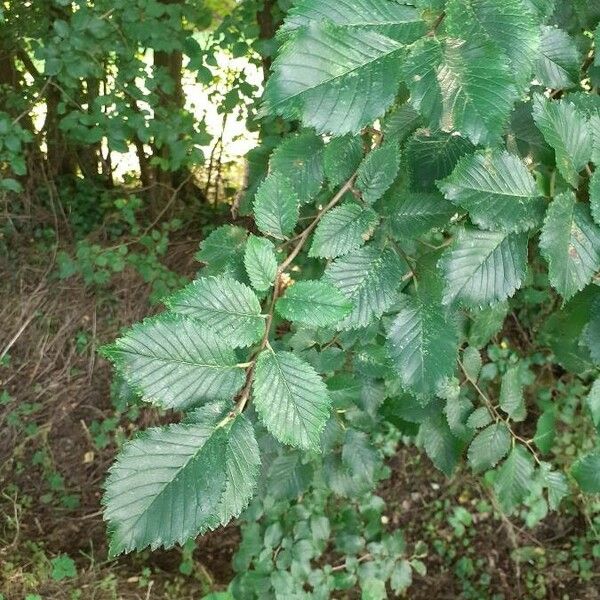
(267, 29)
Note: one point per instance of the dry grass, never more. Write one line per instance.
(42, 324)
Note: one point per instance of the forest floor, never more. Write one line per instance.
(59, 423)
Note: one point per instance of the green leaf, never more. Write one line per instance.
(484, 267)
(591, 333)
(300, 159)
(377, 172)
(545, 431)
(504, 24)
(442, 447)
(422, 343)
(401, 577)
(541, 9)
(276, 206)
(166, 487)
(486, 323)
(570, 242)
(342, 230)
(479, 418)
(586, 472)
(176, 362)
(242, 458)
(513, 480)
(595, 196)
(400, 122)
(463, 86)
(341, 158)
(360, 461)
(260, 262)
(335, 79)
(413, 214)
(593, 403)
(291, 399)
(369, 278)
(471, 360)
(222, 247)
(288, 476)
(559, 62)
(433, 156)
(497, 190)
(563, 329)
(556, 483)
(489, 447)
(228, 308)
(313, 303)
(63, 567)
(567, 131)
(395, 20)
(512, 400)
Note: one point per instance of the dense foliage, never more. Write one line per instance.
(427, 184)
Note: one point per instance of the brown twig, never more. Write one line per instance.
(497, 414)
(303, 237)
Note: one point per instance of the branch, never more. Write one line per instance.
(498, 416)
(244, 396)
(303, 237)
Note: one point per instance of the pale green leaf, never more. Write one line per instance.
(313, 303)
(377, 172)
(558, 64)
(567, 130)
(479, 418)
(370, 278)
(570, 242)
(463, 86)
(513, 478)
(276, 206)
(484, 267)
(512, 400)
(229, 309)
(489, 447)
(290, 399)
(260, 262)
(300, 159)
(471, 360)
(343, 229)
(556, 484)
(335, 79)
(176, 362)
(497, 190)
